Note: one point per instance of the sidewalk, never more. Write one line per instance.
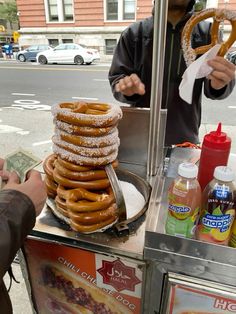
(18, 292)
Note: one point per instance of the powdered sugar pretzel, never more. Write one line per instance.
(84, 160)
(84, 114)
(89, 141)
(83, 130)
(218, 15)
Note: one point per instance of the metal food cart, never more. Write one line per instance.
(139, 266)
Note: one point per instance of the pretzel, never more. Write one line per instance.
(86, 210)
(83, 130)
(80, 200)
(92, 185)
(87, 114)
(218, 15)
(91, 228)
(75, 167)
(89, 175)
(48, 165)
(84, 160)
(89, 141)
(91, 218)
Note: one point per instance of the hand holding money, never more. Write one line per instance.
(21, 162)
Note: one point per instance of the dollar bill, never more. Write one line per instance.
(21, 161)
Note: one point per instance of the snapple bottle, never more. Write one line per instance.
(184, 200)
(218, 208)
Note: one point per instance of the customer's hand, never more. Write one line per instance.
(33, 187)
(130, 85)
(223, 72)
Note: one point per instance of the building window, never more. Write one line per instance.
(129, 9)
(53, 10)
(59, 10)
(112, 10)
(119, 10)
(68, 10)
(53, 42)
(110, 46)
(67, 40)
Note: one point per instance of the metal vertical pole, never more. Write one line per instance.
(157, 115)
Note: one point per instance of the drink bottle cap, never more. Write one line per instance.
(224, 173)
(217, 139)
(188, 170)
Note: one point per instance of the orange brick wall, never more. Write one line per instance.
(32, 13)
(87, 13)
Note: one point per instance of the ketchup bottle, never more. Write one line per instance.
(215, 152)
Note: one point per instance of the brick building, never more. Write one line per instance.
(95, 23)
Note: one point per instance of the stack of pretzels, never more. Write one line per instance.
(85, 141)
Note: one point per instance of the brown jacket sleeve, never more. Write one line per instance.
(17, 218)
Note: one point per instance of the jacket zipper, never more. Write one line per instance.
(169, 68)
(179, 62)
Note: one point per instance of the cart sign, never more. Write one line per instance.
(118, 275)
(70, 280)
(186, 300)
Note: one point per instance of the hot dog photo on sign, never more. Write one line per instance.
(63, 293)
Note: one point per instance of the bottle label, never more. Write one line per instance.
(221, 191)
(221, 222)
(179, 209)
(179, 222)
(216, 227)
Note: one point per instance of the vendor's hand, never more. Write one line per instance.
(223, 72)
(33, 187)
(130, 85)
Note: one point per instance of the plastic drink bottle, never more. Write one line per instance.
(215, 152)
(184, 199)
(218, 208)
(232, 241)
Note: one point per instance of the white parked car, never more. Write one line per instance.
(68, 53)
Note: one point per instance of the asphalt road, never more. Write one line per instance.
(37, 85)
(33, 86)
(28, 91)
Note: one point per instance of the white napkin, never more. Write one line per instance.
(199, 68)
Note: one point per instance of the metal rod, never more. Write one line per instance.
(156, 142)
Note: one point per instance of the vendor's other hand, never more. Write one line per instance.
(130, 85)
(223, 72)
(33, 187)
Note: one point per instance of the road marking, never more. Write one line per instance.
(26, 102)
(101, 80)
(53, 69)
(41, 143)
(23, 132)
(19, 94)
(9, 129)
(232, 107)
(86, 98)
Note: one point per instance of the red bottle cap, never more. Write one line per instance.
(217, 139)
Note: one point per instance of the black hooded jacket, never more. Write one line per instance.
(133, 54)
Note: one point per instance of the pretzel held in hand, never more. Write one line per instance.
(218, 16)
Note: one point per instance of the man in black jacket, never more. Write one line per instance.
(19, 205)
(131, 71)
